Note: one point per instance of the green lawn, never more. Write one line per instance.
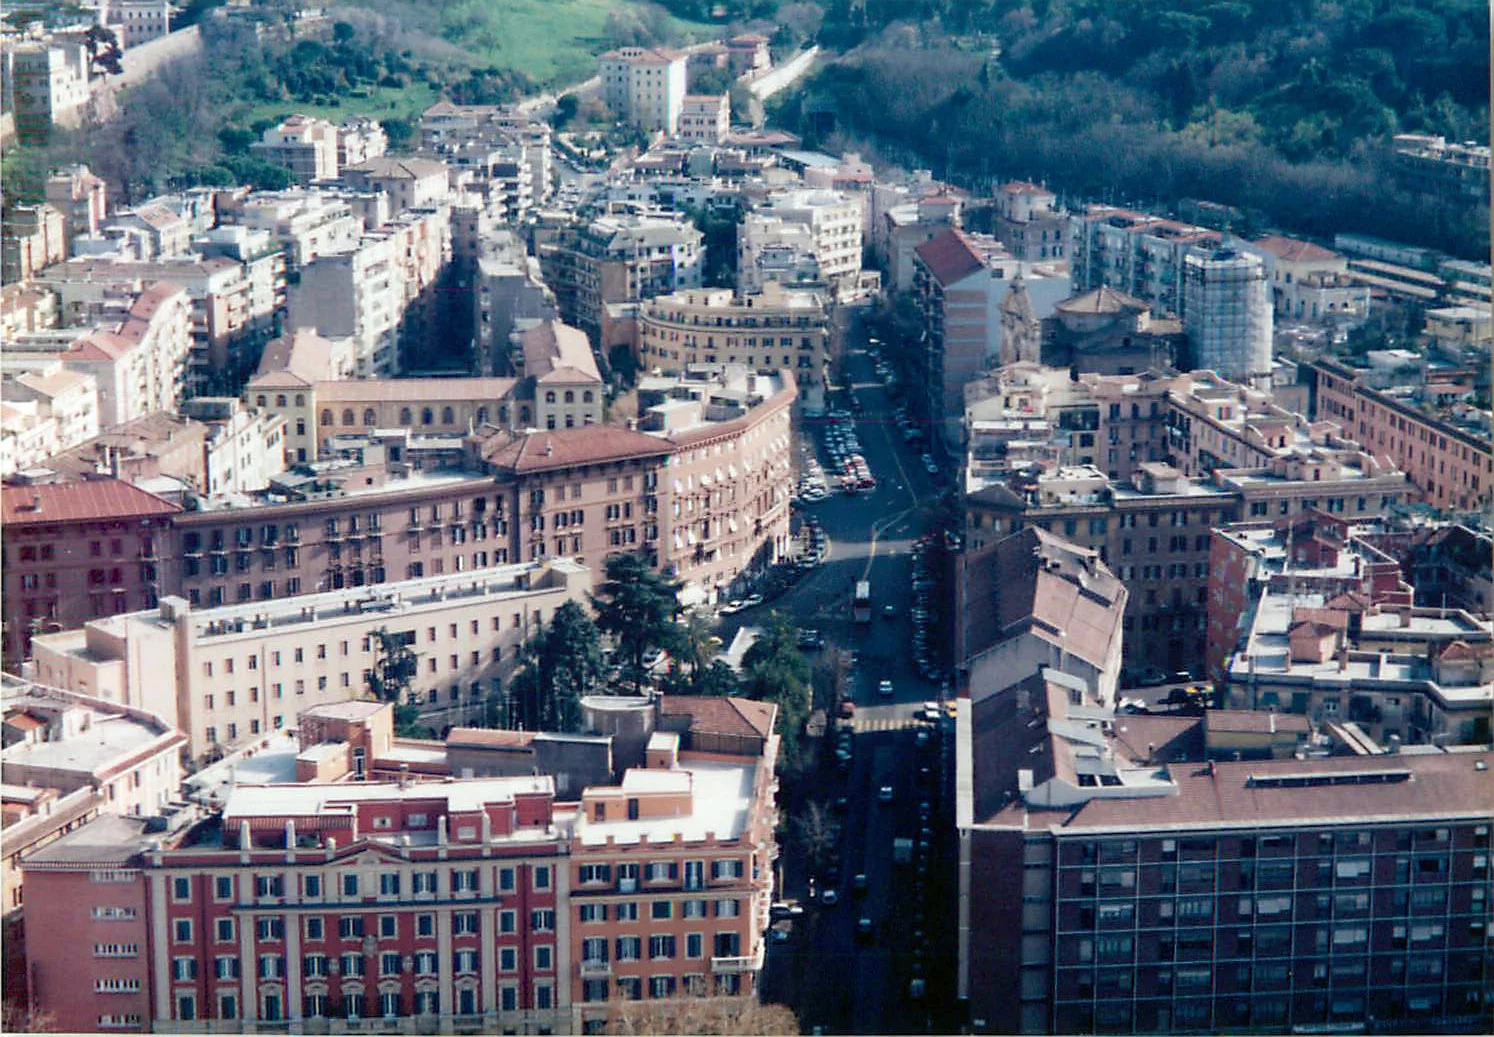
(381, 103)
(554, 41)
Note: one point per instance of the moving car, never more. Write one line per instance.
(885, 794)
(885, 689)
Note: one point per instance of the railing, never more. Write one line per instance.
(596, 969)
(740, 963)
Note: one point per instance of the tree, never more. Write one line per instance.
(707, 1016)
(562, 663)
(637, 606)
(815, 832)
(717, 680)
(395, 666)
(774, 670)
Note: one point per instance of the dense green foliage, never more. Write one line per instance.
(562, 663)
(774, 670)
(1281, 107)
(638, 607)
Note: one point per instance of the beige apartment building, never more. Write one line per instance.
(778, 330)
(705, 118)
(644, 87)
(304, 145)
(139, 365)
(223, 675)
(558, 377)
(48, 86)
(314, 411)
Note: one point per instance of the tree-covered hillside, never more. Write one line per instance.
(1282, 106)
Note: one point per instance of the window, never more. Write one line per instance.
(464, 923)
(660, 947)
(388, 927)
(271, 966)
(181, 930)
(661, 909)
(350, 885)
(425, 925)
(183, 968)
(508, 959)
(311, 887)
(592, 913)
(226, 966)
(629, 948)
(181, 890)
(694, 945)
(542, 920)
(352, 964)
(425, 963)
(544, 958)
(270, 928)
(350, 927)
(389, 963)
(223, 930)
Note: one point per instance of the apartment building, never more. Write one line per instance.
(960, 282)
(47, 85)
(410, 183)
(1435, 165)
(75, 551)
(35, 237)
(231, 314)
(1032, 601)
(80, 196)
(136, 21)
(618, 259)
(1309, 282)
(705, 118)
(508, 291)
(304, 145)
(1444, 450)
(701, 487)
(778, 329)
(306, 222)
(1307, 616)
(1136, 253)
(834, 220)
(446, 128)
(357, 294)
(1029, 222)
(644, 87)
(48, 408)
(313, 411)
(1113, 881)
(223, 675)
(479, 906)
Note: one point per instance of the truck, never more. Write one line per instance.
(861, 606)
(902, 851)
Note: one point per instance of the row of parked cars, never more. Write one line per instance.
(843, 446)
(923, 586)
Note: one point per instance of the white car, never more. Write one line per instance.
(885, 689)
(730, 608)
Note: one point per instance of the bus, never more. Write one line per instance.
(861, 603)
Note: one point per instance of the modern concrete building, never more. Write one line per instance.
(224, 675)
(1227, 314)
(1136, 253)
(47, 85)
(304, 145)
(834, 220)
(644, 87)
(1114, 879)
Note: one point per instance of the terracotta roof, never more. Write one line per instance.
(1035, 582)
(1293, 250)
(950, 257)
(79, 502)
(386, 167)
(25, 722)
(555, 351)
(415, 390)
(1102, 300)
(721, 716)
(565, 448)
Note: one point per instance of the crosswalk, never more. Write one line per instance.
(864, 725)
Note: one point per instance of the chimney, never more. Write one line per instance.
(36, 503)
(404, 775)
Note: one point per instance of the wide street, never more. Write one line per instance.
(836, 980)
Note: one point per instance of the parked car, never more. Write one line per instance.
(885, 689)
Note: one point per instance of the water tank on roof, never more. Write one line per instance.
(629, 719)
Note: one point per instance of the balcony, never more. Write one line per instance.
(740, 963)
(596, 969)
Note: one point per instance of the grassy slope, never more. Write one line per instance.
(381, 103)
(553, 41)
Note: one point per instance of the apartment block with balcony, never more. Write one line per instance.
(77, 551)
(1136, 253)
(779, 329)
(644, 87)
(47, 85)
(226, 675)
(305, 146)
(1029, 222)
(705, 118)
(1259, 895)
(834, 220)
(1435, 165)
(44, 394)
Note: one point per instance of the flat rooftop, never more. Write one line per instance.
(250, 802)
(722, 795)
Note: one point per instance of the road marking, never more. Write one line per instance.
(865, 726)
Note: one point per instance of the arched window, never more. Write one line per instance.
(448, 416)
(327, 418)
(300, 399)
(482, 415)
(586, 396)
(550, 396)
(260, 401)
(280, 400)
(405, 417)
(369, 418)
(427, 416)
(347, 416)
(570, 397)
